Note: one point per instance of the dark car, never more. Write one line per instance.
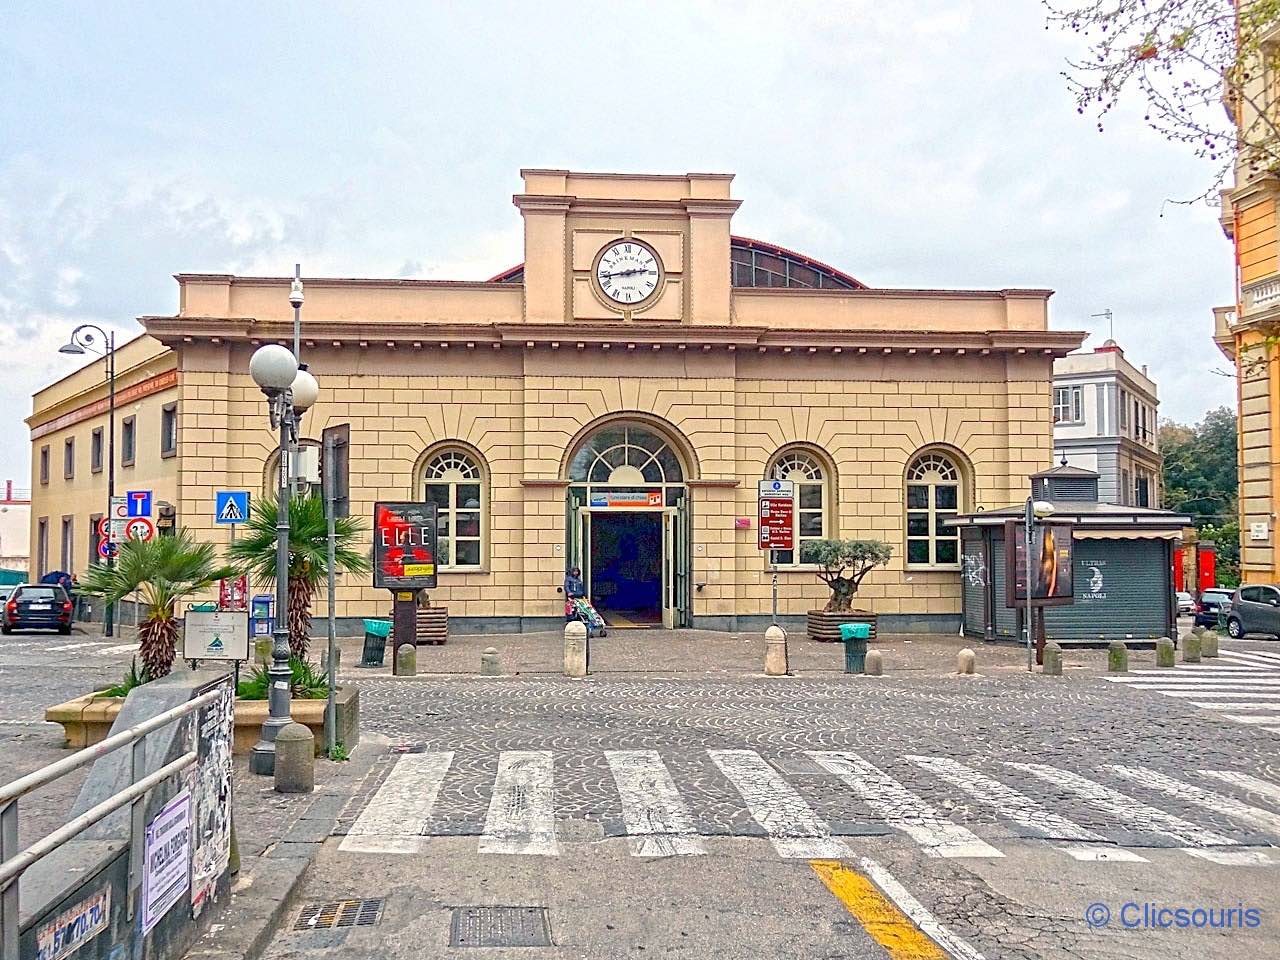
(37, 606)
(1254, 609)
(1212, 601)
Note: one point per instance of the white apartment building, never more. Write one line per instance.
(15, 528)
(1104, 419)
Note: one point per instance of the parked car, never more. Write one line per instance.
(1186, 604)
(1254, 609)
(37, 606)
(1214, 602)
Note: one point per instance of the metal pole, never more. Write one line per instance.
(1028, 610)
(297, 318)
(330, 716)
(262, 760)
(109, 614)
(775, 594)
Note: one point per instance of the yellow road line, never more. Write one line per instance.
(887, 925)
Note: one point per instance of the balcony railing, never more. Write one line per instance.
(1261, 295)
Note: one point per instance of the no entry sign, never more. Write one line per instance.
(777, 515)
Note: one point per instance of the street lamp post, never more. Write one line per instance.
(84, 338)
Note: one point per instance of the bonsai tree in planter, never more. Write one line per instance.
(163, 571)
(842, 566)
(254, 553)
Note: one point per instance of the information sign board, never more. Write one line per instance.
(216, 635)
(776, 500)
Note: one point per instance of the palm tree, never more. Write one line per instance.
(165, 571)
(255, 554)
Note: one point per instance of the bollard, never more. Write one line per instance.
(489, 665)
(1209, 645)
(775, 652)
(1198, 630)
(965, 662)
(1164, 652)
(407, 660)
(1117, 657)
(295, 759)
(1190, 648)
(575, 649)
(1052, 660)
(262, 652)
(875, 664)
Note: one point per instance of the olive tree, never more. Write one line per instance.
(842, 565)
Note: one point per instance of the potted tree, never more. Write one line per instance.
(842, 565)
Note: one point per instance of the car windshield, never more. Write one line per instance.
(39, 593)
(1216, 595)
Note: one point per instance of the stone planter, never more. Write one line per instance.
(87, 720)
(825, 627)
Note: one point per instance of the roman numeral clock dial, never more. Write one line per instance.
(627, 272)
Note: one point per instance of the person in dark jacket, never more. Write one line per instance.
(573, 585)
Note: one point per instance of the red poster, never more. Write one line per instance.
(404, 546)
(233, 594)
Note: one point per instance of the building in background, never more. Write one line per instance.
(15, 529)
(1104, 419)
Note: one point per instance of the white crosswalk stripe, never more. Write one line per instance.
(1208, 799)
(903, 810)
(522, 815)
(1022, 810)
(1241, 686)
(1245, 782)
(657, 819)
(795, 830)
(396, 817)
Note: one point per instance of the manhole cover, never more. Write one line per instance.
(500, 927)
(339, 914)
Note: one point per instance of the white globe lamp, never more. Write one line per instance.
(305, 390)
(273, 368)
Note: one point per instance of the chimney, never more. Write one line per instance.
(1144, 369)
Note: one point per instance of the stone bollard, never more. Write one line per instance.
(295, 759)
(407, 660)
(1198, 630)
(489, 665)
(1117, 657)
(775, 652)
(965, 662)
(1209, 645)
(1190, 648)
(1052, 660)
(575, 649)
(875, 664)
(1164, 652)
(262, 652)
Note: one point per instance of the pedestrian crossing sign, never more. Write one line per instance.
(231, 506)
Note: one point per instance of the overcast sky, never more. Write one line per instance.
(923, 143)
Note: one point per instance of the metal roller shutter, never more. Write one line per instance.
(1006, 617)
(975, 579)
(1121, 590)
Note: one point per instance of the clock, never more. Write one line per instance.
(628, 272)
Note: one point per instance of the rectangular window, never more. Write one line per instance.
(1124, 411)
(1142, 496)
(128, 441)
(1125, 489)
(68, 557)
(44, 466)
(169, 430)
(69, 458)
(1068, 404)
(42, 547)
(1136, 431)
(95, 451)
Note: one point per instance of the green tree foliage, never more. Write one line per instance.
(1201, 477)
(254, 553)
(163, 571)
(842, 565)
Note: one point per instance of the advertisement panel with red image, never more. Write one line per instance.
(404, 546)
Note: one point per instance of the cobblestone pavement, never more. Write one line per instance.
(988, 797)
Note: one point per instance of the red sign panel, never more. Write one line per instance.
(777, 523)
(233, 593)
(404, 546)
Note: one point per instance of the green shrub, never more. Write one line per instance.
(308, 682)
(132, 679)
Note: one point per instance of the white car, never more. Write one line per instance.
(1186, 604)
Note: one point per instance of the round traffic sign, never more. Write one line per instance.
(140, 528)
(104, 527)
(106, 549)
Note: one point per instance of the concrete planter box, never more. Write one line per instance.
(825, 627)
(87, 720)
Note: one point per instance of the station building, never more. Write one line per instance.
(609, 403)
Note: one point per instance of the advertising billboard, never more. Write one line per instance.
(1050, 569)
(404, 546)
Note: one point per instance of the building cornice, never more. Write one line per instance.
(42, 425)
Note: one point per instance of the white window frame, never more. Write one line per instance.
(447, 469)
(1068, 404)
(932, 470)
(808, 472)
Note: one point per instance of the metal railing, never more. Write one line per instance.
(13, 862)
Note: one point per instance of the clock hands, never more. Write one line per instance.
(624, 273)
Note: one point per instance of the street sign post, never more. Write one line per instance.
(139, 528)
(106, 549)
(776, 513)
(138, 503)
(231, 507)
(118, 514)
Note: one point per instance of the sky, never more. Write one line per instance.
(922, 143)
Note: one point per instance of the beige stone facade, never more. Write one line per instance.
(872, 400)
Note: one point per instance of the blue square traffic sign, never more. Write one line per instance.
(231, 506)
(138, 503)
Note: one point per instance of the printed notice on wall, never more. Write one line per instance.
(166, 860)
(211, 799)
(72, 929)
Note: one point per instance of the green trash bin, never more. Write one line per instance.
(855, 637)
(376, 633)
(204, 608)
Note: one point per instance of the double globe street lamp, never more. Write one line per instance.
(290, 392)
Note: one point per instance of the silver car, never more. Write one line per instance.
(1254, 609)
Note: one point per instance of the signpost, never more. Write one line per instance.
(231, 507)
(139, 528)
(118, 514)
(216, 635)
(776, 513)
(404, 561)
(138, 503)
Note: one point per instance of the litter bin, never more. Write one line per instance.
(375, 642)
(855, 637)
(204, 608)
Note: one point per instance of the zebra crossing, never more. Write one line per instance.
(658, 819)
(1241, 685)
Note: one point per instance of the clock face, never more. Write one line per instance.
(627, 272)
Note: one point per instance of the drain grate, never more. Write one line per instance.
(339, 914)
(500, 927)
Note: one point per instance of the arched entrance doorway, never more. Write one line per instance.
(627, 524)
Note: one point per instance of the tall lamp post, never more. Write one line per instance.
(290, 392)
(90, 338)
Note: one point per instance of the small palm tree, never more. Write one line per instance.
(164, 571)
(255, 554)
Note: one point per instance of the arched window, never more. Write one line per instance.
(809, 478)
(625, 454)
(933, 497)
(454, 481)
